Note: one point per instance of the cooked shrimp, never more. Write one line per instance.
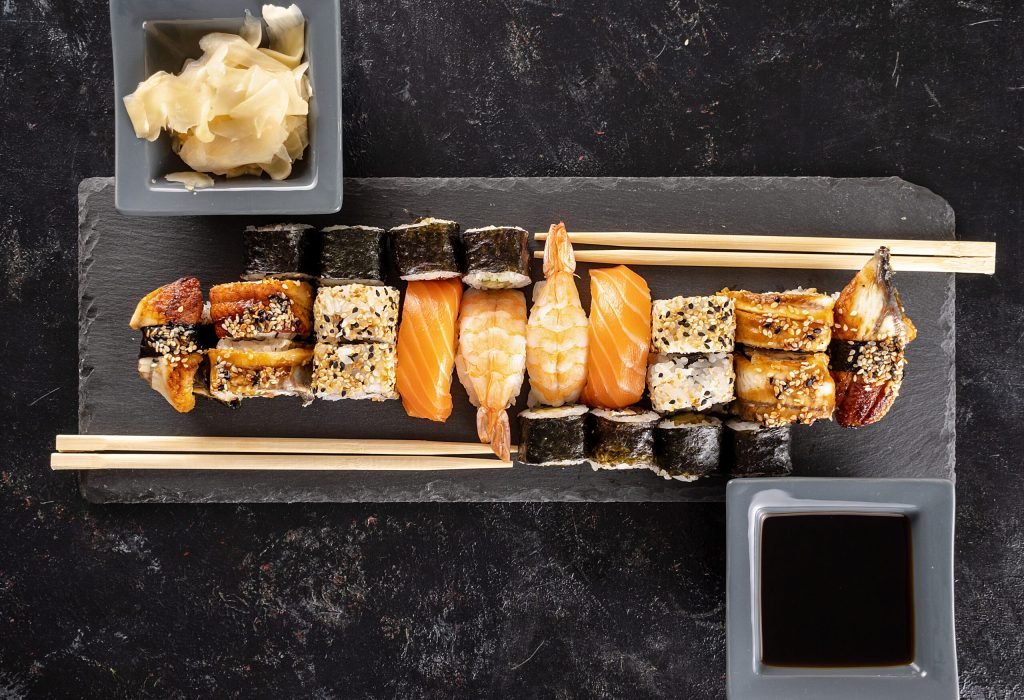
(556, 335)
(491, 359)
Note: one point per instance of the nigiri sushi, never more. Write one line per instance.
(869, 336)
(619, 339)
(556, 334)
(173, 344)
(426, 347)
(491, 359)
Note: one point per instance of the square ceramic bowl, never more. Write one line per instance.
(149, 36)
(927, 503)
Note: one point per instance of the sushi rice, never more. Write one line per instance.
(355, 313)
(690, 382)
(360, 371)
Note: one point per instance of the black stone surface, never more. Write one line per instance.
(507, 600)
(917, 438)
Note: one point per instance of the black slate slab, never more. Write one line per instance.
(122, 258)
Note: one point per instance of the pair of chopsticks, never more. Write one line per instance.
(85, 452)
(793, 252)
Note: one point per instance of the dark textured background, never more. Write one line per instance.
(509, 600)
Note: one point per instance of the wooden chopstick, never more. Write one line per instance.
(314, 446)
(786, 244)
(802, 261)
(61, 461)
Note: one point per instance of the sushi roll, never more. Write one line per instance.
(686, 325)
(688, 446)
(173, 346)
(868, 348)
(497, 257)
(362, 371)
(426, 249)
(242, 369)
(799, 320)
(778, 388)
(552, 437)
(262, 309)
(621, 438)
(351, 254)
(354, 313)
(284, 251)
(690, 382)
(757, 450)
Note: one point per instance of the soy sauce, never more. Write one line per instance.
(836, 590)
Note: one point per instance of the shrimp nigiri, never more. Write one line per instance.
(556, 334)
(620, 338)
(491, 359)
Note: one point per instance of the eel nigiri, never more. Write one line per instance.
(620, 338)
(556, 334)
(869, 336)
(491, 359)
(426, 347)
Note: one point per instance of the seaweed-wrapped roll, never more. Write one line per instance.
(757, 450)
(552, 437)
(497, 257)
(621, 438)
(690, 382)
(361, 371)
(354, 313)
(426, 249)
(351, 254)
(285, 251)
(688, 446)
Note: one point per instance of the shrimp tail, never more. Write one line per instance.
(558, 253)
(492, 427)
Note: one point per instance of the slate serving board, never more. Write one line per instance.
(122, 258)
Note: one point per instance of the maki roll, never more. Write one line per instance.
(552, 437)
(355, 313)
(781, 388)
(690, 382)
(285, 251)
(621, 438)
(688, 446)
(173, 341)
(798, 320)
(242, 369)
(363, 371)
(497, 257)
(757, 450)
(351, 254)
(426, 249)
(261, 309)
(685, 325)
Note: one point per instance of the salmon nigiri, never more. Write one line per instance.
(556, 334)
(426, 347)
(620, 338)
(491, 360)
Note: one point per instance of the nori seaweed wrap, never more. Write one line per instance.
(285, 251)
(351, 254)
(497, 257)
(552, 437)
(757, 450)
(426, 250)
(688, 446)
(621, 438)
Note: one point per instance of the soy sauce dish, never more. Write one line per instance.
(840, 588)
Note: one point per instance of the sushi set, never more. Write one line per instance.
(326, 312)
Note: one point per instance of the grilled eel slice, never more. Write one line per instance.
(177, 303)
(798, 320)
(777, 388)
(260, 309)
(870, 332)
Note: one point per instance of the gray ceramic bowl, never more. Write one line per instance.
(928, 503)
(149, 36)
